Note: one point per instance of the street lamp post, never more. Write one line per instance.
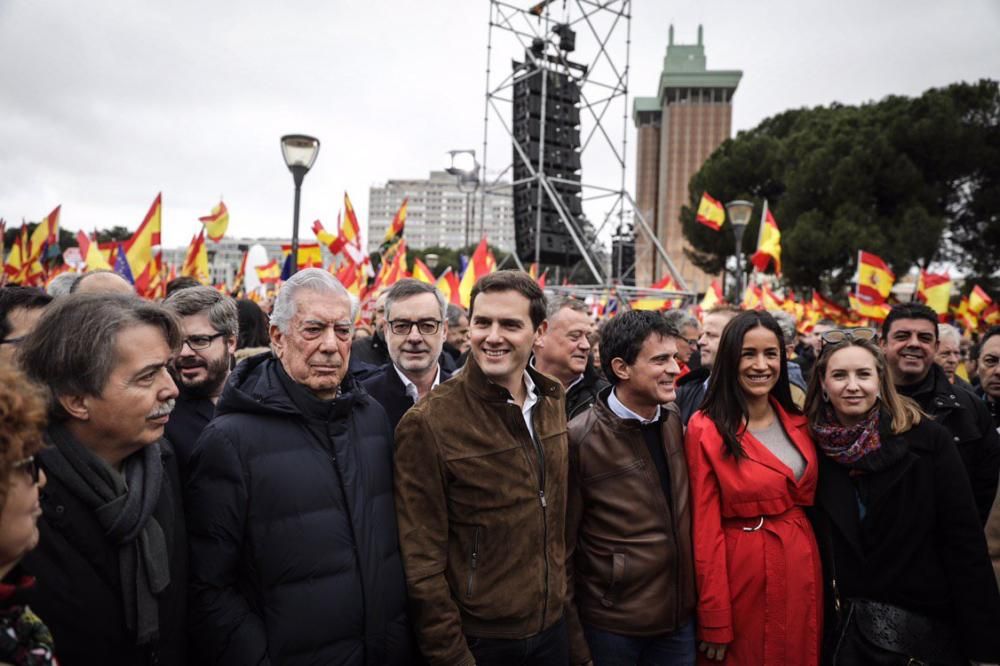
(466, 169)
(739, 215)
(300, 153)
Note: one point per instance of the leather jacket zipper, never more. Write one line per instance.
(474, 561)
(545, 522)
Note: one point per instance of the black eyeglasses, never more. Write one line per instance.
(199, 342)
(29, 466)
(13, 341)
(424, 326)
(859, 334)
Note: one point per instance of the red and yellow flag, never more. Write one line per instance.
(752, 298)
(875, 280)
(448, 285)
(216, 222)
(872, 307)
(770, 300)
(92, 258)
(196, 260)
(711, 213)
(482, 263)
(143, 251)
(934, 289)
(713, 297)
(978, 300)
(310, 256)
(270, 272)
(395, 229)
(768, 243)
(422, 272)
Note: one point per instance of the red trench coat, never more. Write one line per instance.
(756, 561)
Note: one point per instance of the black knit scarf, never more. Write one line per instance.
(124, 507)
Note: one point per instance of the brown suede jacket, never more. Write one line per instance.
(481, 523)
(630, 564)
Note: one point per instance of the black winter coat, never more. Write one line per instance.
(78, 589)
(691, 390)
(584, 393)
(294, 550)
(971, 427)
(920, 545)
(388, 390)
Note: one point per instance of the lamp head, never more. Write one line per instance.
(739, 212)
(300, 153)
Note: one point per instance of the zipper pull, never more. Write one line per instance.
(541, 496)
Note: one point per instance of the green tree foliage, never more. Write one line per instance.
(913, 180)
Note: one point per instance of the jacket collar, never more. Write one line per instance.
(796, 427)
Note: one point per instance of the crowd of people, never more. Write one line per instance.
(198, 481)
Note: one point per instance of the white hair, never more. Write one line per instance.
(310, 279)
(950, 332)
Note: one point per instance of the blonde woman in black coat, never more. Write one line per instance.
(905, 556)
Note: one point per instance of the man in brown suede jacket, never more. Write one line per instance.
(480, 479)
(630, 566)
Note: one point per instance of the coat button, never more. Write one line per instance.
(956, 439)
(60, 509)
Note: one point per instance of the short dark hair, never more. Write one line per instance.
(183, 282)
(623, 336)
(995, 330)
(409, 287)
(74, 348)
(512, 280)
(253, 325)
(909, 311)
(13, 297)
(221, 309)
(724, 402)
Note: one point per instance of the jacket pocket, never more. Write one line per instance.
(473, 561)
(617, 575)
(617, 471)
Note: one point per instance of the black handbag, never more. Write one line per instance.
(882, 634)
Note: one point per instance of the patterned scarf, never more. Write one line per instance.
(24, 639)
(858, 447)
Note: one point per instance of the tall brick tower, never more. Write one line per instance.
(677, 131)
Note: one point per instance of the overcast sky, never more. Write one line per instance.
(103, 104)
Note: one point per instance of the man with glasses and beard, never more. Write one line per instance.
(111, 564)
(210, 326)
(415, 332)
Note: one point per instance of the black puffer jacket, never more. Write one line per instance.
(294, 550)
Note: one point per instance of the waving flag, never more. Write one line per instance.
(395, 229)
(422, 272)
(978, 300)
(216, 222)
(768, 243)
(143, 254)
(121, 264)
(710, 212)
(934, 290)
(875, 280)
(448, 285)
(196, 261)
(713, 297)
(482, 263)
(92, 257)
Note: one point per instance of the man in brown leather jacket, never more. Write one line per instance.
(630, 567)
(480, 482)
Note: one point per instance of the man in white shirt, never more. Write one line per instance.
(415, 329)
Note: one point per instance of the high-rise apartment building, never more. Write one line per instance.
(677, 131)
(440, 214)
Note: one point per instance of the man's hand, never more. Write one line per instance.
(714, 651)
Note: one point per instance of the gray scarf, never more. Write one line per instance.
(124, 508)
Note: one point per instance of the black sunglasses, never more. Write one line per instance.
(30, 466)
(860, 334)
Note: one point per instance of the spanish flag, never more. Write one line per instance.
(752, 297)
(482, 263)
(875, 280)
(978, 300)
(216, 222)
(196, 261)
(710, 212)
(270, 272)
(143, 251)
(422, 272)
(869, 306)
(395, 230)
(934, 290)
(713, 297)
(92, 257)
(768, 243)
(448, 285)
(770, 300)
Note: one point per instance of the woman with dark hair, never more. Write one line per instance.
(254, 336)
(753, 467)
(896, 519)
(24, 639)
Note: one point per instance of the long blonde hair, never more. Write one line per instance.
(903, 412)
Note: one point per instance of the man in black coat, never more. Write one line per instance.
(691, 388)
(910, 342)
(294, 549)
(562, 351)
(210, 325)
(415, 331)
(111, 563)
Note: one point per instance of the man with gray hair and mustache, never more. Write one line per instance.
(294, 549)
(111, 565)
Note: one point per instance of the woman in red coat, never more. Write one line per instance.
(753, 467)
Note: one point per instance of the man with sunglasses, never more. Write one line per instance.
(294, 549)
(210, 326)
(910, 343)
(415, 330)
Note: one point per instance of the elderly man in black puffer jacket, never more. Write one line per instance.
(294, 549)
